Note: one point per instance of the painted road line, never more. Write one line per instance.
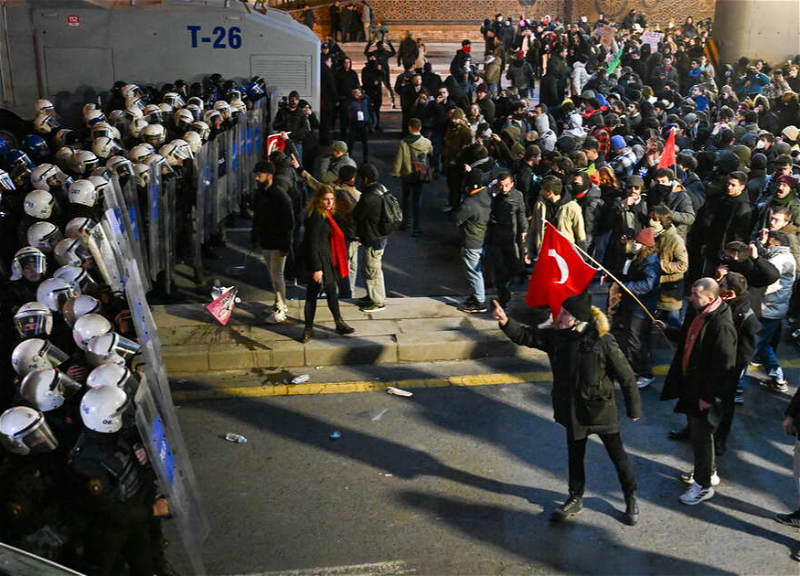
(392, 568)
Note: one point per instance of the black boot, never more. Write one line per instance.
(631, 516)
(570, 508)
(679, 433)
(308, 334)
(343, 329)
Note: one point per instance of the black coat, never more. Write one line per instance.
(585, 366)
(367, 214)
(273, 218)
(472, 218)
(316, 248)
(729, 220)
(507, 221)
(747, 329)
(712, 365)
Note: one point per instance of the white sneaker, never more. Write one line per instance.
(644, 381)
(688, 478)
(696, 494)
(275, 317)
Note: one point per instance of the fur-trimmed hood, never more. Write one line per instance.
(601, 321)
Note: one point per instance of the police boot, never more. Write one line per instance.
(631, 516)
(570, 508)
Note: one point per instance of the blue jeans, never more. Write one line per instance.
(765, 352)
(473, 270)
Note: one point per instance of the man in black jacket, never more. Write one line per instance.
(733, 290)
(728, 219)
(505, 236)
(472, 218)
(273, 224)
(702, 369)
(585, 360)
(292, 123)
(367, 217)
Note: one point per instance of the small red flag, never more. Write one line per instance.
(222, 307)
(275, 142)
(560, 272)
(668, 155)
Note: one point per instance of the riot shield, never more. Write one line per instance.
(169, 254)
(198, 210)
(103, 253)
(159, 426)
(128, 220)
(222, 177)
(212, 204)
(234, 187)
(138, 224)
(154, 223)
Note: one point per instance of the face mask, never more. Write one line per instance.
(656, 227)
(760, 145)
(636, 247)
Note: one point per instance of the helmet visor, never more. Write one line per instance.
(32, 325)
(35, 439)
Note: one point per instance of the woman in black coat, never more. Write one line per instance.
(586, 361)
(326, 260)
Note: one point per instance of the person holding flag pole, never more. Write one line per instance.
(586, 361)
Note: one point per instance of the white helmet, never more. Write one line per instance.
(223, 108)
(64, 156)
(183, 119)
(47, 388)
(176, 151)
(196, 101)
(28, 256)
(131, 90)
(174, 99)
(134, 113)
(80, 280)
(238, 105)
(79, 227)
(79, 306)
(101, 184)
(166, 110)
(71, 251)
(135, 102)
(193, 139)
(112, 375)
(36, 353)
(141, 152)
(83, 162)
(82, 192)
(89, 106)
(102, 408)
(39, 204)
(33, 320)
(210, 115)
(117, 118)
(54, 292)
(103, 172)
(89, 326)
(105, 147)
(154, 134)
(161, 163)
(92, 117)
(43, 106)
(142, 174)
(24, 431)
(120, 165)
(111, 347)
(197, 111)
(202, 128)
(44, 124)
(44, 236)
(153, 114)
(62, 136)
(46, 175)
(137, 126)
(104, 129)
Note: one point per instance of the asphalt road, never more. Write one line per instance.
(463, 481)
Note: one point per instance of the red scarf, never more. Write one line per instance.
(338, 248)
(694, 331)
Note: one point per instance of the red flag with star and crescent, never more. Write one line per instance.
(668, 155)
(560, 272)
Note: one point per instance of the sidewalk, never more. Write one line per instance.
(409, 330)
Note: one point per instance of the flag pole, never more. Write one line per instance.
(622, 285)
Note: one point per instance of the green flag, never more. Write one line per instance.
(615, 62)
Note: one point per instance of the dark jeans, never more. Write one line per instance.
(331, 293)
(360, 132)
(729, 409)
(702, 435)
(636, 343)
(616, 451)
(454, 182)
(412, 194)
(504, 266)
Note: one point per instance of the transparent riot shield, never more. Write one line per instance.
(244, 158)
(159, 426)
(198, 210)
(138, 223)
(103, 253)
(222, 178)
(128, 219)
(258, 132)
(154, 223)
(212, 204)
(234, 186)
(168, 252)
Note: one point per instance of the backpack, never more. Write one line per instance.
(391, 214)
(522, 77)
(420, 169)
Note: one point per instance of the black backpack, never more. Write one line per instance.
(391, 213)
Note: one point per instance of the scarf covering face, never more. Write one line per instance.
(338, 248)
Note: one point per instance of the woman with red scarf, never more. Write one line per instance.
(325, 251)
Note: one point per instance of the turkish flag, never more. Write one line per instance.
(560, 272)
(667, 159)
(275, 142)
